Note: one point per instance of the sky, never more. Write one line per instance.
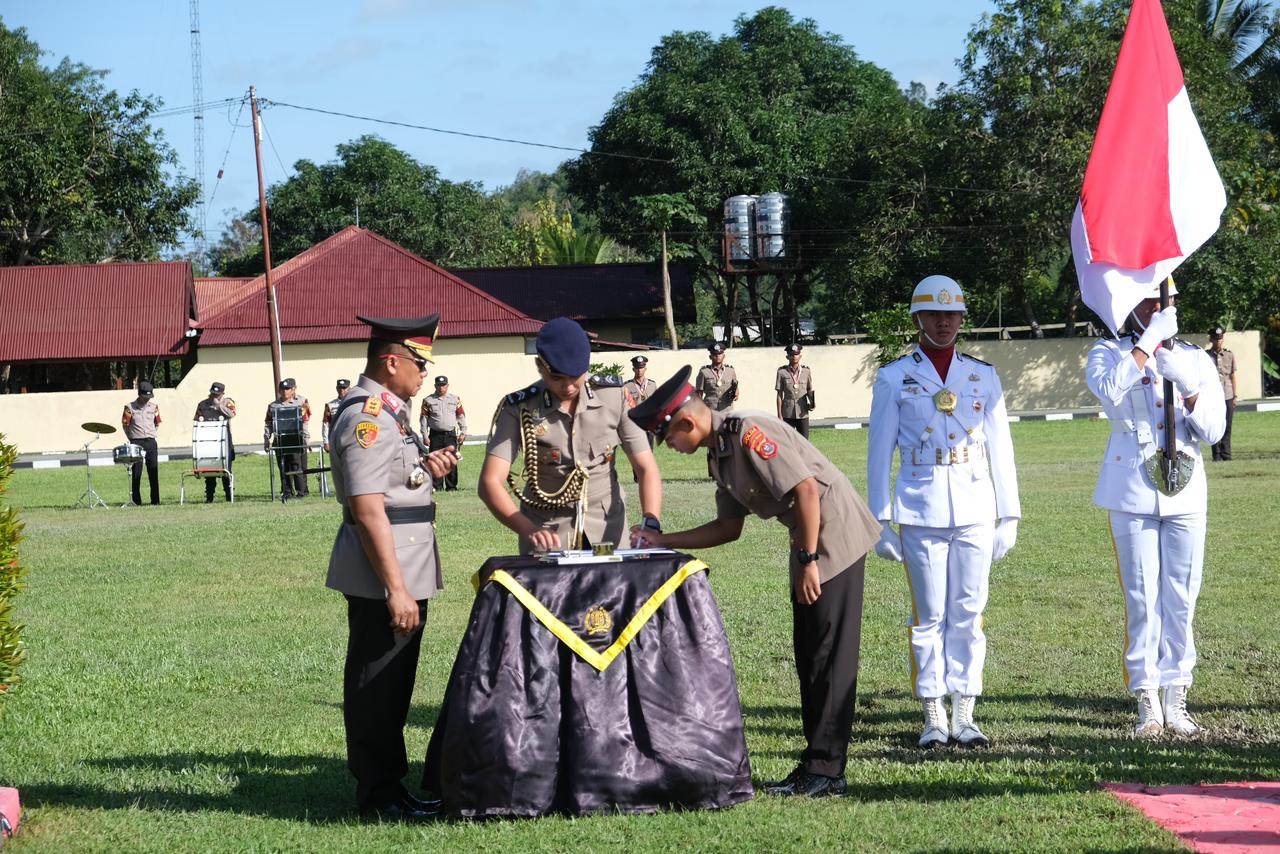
(537, 70)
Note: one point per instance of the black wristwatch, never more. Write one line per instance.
(805, 557)
(651, 522)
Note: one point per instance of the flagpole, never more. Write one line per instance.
(1170, 434)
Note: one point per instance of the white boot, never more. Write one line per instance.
(1150, 718)
(963, 729)
(1174, 705)
(935, 723)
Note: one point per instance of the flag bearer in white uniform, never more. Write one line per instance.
(955, 502)
(1159, 538)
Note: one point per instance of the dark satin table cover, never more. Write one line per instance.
(529, 727)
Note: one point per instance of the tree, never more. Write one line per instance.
(776, 105)
(83, 177)
(12, 651)
(383, 189)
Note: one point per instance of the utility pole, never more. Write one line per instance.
(273, 314)
(197, 91)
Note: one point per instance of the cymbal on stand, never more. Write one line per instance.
(97, 427)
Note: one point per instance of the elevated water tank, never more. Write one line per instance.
(739, 212)
(773, 220)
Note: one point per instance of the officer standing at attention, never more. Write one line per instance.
(637, 389)
(794, 385)
(304, 488)
(140, 419)
(443, 422)
(385, 559)
(217, 406)
(291, 460)
(718, 382)
(764, 468)
(943, 414)
(568, 426)
(1158, 537)
(1225, 361)
(330, 410)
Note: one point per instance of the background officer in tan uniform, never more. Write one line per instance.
(1225, 361)
(794, 384)
(140, 419)
(291, 461)
(764, 468)
(343, 388)
(214, 407)
(385, 559)
(637, 389)
(717, 382)
(568, 426)
(443, 422)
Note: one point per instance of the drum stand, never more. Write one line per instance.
(128, 483)
(90, 499)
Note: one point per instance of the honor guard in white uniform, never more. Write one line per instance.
(1158, 537)
(331, 409)
(943, 414)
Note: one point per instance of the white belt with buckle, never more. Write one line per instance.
(959, 455)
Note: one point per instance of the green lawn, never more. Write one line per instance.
(183, 683)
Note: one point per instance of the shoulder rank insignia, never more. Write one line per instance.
(366, 433)
(975, 359)
(756, 440)
(520, 394)
(918, 359)
(731, 425)
(606, 381)
(372, 406)
(392, 402)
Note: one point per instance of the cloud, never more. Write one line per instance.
(343, 54)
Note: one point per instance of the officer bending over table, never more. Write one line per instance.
(568, 427)
(762, 466)
(385, 559)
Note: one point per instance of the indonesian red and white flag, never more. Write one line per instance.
(1151, 194)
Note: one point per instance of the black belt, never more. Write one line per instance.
(434, 431)
(400, 515)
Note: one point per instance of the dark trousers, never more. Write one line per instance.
(293, 478)
(1222, 450)
(437, 439)
(152, 458)
(377, 686)
(826, 636)
(211, 483)
(801, 425)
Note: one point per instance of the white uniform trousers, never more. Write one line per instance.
(948, 570)
(1161, 562)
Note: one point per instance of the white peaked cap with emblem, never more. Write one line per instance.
(937, 293)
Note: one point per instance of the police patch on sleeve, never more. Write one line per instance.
(756, 440)
(372, 406)
(366, 433)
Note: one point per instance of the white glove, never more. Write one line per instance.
(1178, 366)
(890, 545)
(1163, 325)
(1006, 536)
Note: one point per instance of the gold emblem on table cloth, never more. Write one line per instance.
(945, 401)
(597, 621)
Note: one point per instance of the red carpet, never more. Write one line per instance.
(10, 813)
(1221, 818)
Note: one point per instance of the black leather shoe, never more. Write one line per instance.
(786, 781)
(432, 805)
(809, 785)
(402, 810)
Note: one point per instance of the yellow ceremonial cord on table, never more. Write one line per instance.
(599, 660)
(572, 492)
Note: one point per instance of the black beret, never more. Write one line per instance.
(564, 346)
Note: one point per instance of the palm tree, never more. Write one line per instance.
(1250, 28)
(576, 248)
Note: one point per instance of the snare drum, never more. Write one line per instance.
(127, 454)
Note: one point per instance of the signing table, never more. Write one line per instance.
(590, 687)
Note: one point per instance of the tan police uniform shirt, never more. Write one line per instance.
(717, 386)
(637, 393)
(211, 409)
(140, 421)
(591, 437)
(1226, 364)
(757, 460)
(326, 420)
(373, 452)
(793, 386)
(442, 412)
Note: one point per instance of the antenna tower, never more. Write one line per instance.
(197, 87)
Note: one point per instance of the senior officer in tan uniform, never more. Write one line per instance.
(794, 384)
(385, 559)
(444, 425)
(217, 406)
(765, 468)
(568, 426)
(140, 419)
(717, 382)
(943, 414)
